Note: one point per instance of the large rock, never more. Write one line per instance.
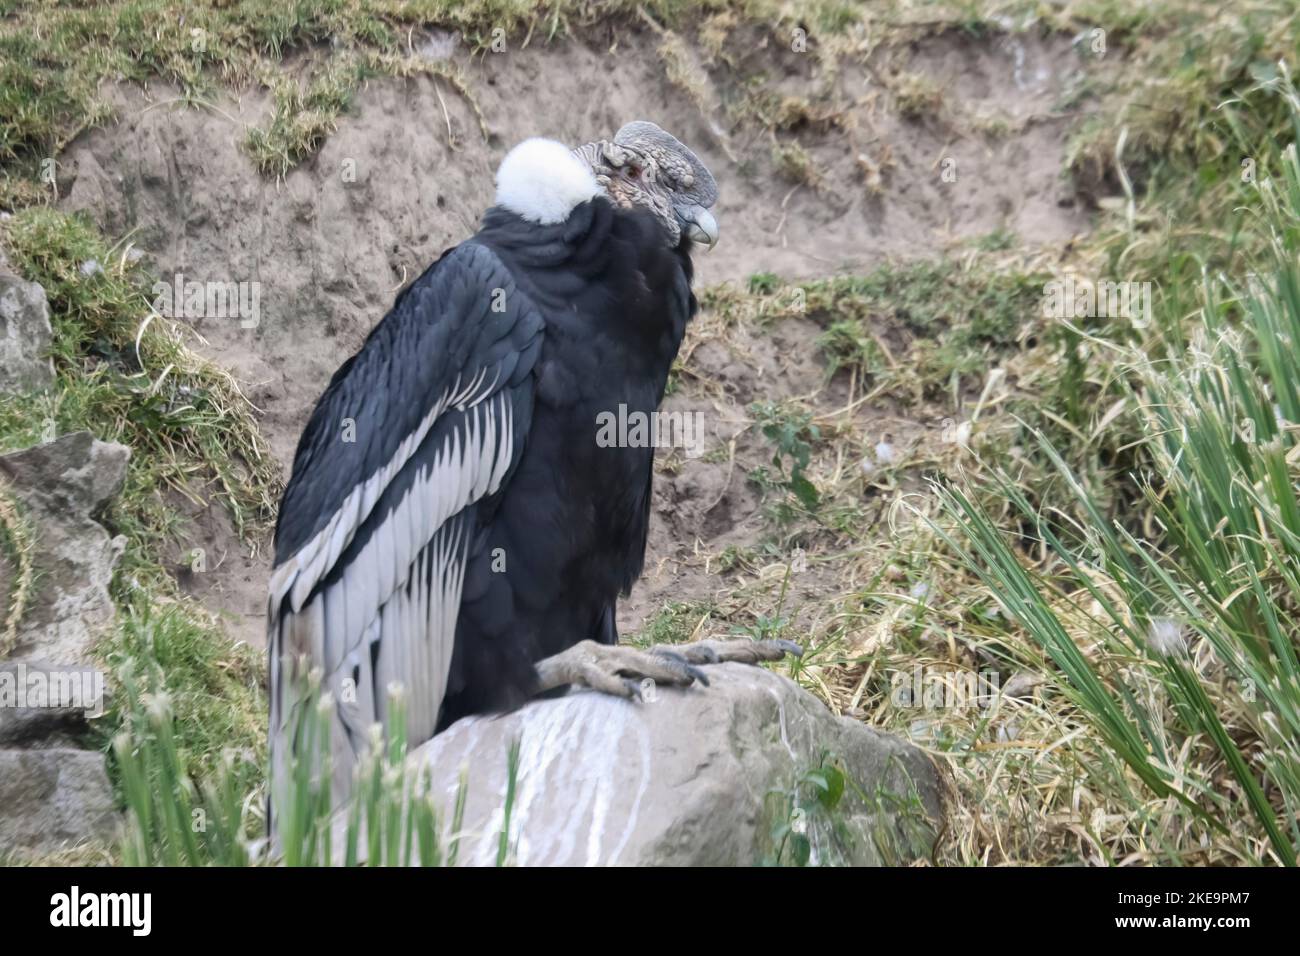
(25, 336)
(44, 705)
(53, 799)
(702, 776)
(62, 484)
(52, 794)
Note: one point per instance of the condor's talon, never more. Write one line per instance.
(615, 670)
(688, 667)
(619, 670)
(742, 650)
(702, 652)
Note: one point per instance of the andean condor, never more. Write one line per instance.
(452, 523)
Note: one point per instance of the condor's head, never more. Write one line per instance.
(642, 167)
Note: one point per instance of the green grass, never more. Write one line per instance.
(127, 375)
(1193, 681)
(675, 623)
(54, 56)
(1167, 107)
(214, 688)
(303, 117)
(792, 435)
(955, 319)
(809, 825)
(391, 818)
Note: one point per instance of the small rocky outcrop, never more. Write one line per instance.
(54, 793)
(25, 335)
(61, 485)
(714, 775)
(52, 799)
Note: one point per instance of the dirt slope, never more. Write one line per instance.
(330, 253)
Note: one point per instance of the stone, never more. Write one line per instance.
(54, 795)
(25, 336)
(61, 485)
(47, 706)
(714, 775)
(52, 800)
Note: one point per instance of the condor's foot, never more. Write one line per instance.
(743, 651)
(621, 671)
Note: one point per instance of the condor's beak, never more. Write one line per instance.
(698, 223)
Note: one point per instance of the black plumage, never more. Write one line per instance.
(478, 395)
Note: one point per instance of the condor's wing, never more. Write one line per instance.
(428, 418)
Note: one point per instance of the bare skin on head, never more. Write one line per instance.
(644, 166)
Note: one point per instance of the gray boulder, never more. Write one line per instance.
(723, 775)
(25, 336)
(52, 794)
(53, 799)
(42, 705)
(61, 484)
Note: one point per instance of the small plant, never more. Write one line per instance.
(170, 821)
(811, 820)
(999, 240)
(809, 806)
(917, 97)
(735, 556)
(795, 164)
(675, 623)
(16, 546)
(847, 345)
(763, 283)
(792, 433)
(169, 650)
(304, 117)
(770, 627)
